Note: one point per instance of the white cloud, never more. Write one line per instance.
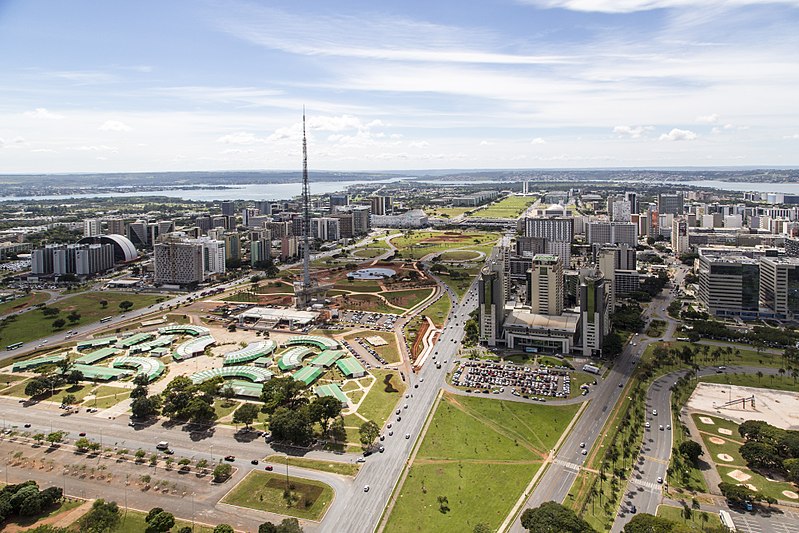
(677, 134)
(241, 137)
(630, 6)
(634, 132)
(538, 140)
(114, 125)
(41, 112)
(708, 119)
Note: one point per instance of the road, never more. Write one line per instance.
(361, 510)
(563, 468)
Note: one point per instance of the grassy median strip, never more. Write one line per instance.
(274, 493)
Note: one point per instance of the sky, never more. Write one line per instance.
(118, 86)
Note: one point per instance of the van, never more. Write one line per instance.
(163, 445)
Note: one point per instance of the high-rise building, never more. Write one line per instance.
(679, 236)
(178, 262)
(545, 285)
(612, 233)
(594, 319)
(491, 299)
(228, 208)
(670, 204)
(779, 286)
(260, 252)
(92, 227)
(381, 205)
(361, 220)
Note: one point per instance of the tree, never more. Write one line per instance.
(324, 409)
(222, 472)
(246, 414)
(647, 523)
(124, 305)
(102, 517)
(691, 450)
(551, 517)
(292, 426)
(369, 431)
(159, 522)
(223, 528)
(59, 323)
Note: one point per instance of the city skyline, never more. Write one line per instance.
(525, 84)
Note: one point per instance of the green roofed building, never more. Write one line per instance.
(331, 390)
(96, 343)
(350, 367)
(327, 358)
(133, 340)
(307, 374)
(101, 373)
(97, 356)
(30, 364)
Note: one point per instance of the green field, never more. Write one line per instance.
(335, 467)
(509, 207)
(696, 521)
(439, 310)
(479, 454)
(34, 325)
(379, 403)
(23, 302)
(133, 522)
(264, 491)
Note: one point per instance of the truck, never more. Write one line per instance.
(591, 368)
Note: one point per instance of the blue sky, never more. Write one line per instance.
(216, 85)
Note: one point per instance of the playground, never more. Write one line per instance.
(737, 403)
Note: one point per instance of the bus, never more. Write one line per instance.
(106, 319)
(726, 520)
(13, 346)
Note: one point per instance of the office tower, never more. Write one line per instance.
(178, 262)
(545, 285)
(361, 220)
(671, 204)
(115, 226)
(779, 286)
(679, 236)
(594, 319)
(381, 205)
(264, 207)
(632, 197)
(612, 233)
(138, 234)
(92, 227)
(232, 246)
(491, 299)
(228, 208)
(729, 285)
(260, 252)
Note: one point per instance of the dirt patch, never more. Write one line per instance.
(739, 476)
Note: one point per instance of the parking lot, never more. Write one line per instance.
(523, 381)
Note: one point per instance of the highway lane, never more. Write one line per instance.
(562, 471)
(359, 511)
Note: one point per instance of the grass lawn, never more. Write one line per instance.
(23, 302)
(778, 382)
(763, 485)
(133, 522)
(366, 302)
(379, 403)
(26, 521)
(508, 207)
(407, 299)
(34, 325)
(264, 491)
(439, 310)
(335, 467)
(479, 454)
(696, 522)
